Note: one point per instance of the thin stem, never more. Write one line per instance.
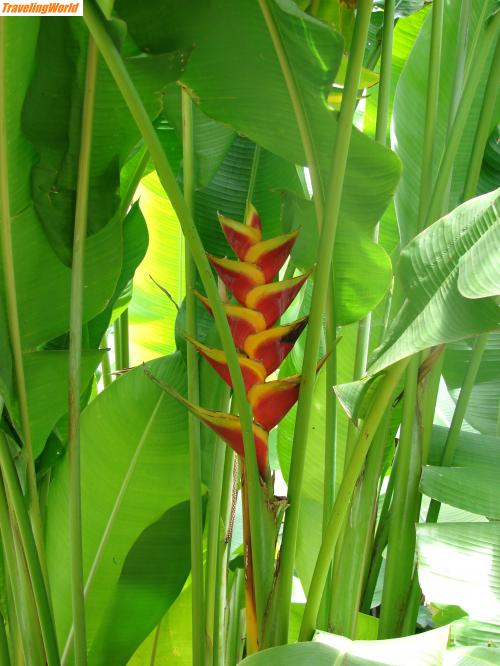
(484, 126)
(117, 337)
(373, 419)
(18, 507)
(124, 342)
(20, 603)
(384, 90)
(489, 36)
(213, 538)
(321, 285)
(459, 414)
(105, 364)
(401, 545)
(431, 112)
(253, 177)
(8, 268)
(75, 356)
(236, 602)
(97, 27)
(193, 382)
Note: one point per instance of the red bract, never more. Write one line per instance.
(262, 346)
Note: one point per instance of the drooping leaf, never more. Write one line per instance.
(459, 564)
(434, 310)
(152, 577)
(134, 468)
(408, 121)
(362, 269)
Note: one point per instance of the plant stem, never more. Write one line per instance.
(321, 286)
(75, 355)
(8, 268)
(431, 112)
(489, 35)
(117, 337)
(253, 177)
(262, 540)
(384, 91)
(193, 382)
(124, 344)
(105, 364)
(459, 414)
(372, 421)
(401, 544)
(18, 508)
(237, 600)
(213, 539)
(20, 602)
(484, 126)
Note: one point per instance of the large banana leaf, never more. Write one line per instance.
(434, 310)
(408, 120)
(52, 122)
(427, 649)
(482, 408)
(152, 577)
(459, 564)
(248, 92)
(134, 468)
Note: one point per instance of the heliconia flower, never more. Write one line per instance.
(262, 346)
(242, 321)
(272, 346)
(253, 371)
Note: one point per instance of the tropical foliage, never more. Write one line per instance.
(250, 334)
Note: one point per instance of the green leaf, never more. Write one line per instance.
(52, 118)
(362, 269)
(476, 450)
(472, 656)
(46, 374)
(473, 489)
(249, 92)
(479, 270)
(152, 577)
(421, 650)
(482, 408)
(459, 564)
(134, 468)
(434, 310)
(408, 120)
(471, 632)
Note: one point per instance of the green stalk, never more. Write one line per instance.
(18, 508)
(236, 604)
(19, 612)
(373, 419)
(105, 364)
(8, 268)
(321, 286)
(117, 336)
(401, 544)
(213, 539)
(75, 355)
(459, 414)
(124, 344)
(222, 558)
(193, 381)
(312, 160)
(260, 535)
(4, 646)
(489, 35)
(484, 126)
(357, 541)
(253, 176)
(431, 112)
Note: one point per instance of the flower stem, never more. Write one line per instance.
(193, 382)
